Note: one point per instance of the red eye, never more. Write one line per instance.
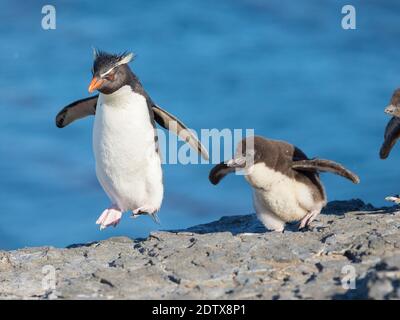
(110, 77)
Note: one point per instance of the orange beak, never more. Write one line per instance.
(95, 84)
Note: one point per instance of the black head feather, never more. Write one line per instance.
(104, 61)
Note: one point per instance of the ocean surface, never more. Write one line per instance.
(284, 68)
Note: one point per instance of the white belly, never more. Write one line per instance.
(283, 205)
(127, 164)
(280, 195)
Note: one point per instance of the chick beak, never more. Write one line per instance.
(390, 109)
(95, 84)
(239, 162)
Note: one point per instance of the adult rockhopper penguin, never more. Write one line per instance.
(128, 164)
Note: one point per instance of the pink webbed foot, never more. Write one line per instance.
(305, 222)
(110, 217)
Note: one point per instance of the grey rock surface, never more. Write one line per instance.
(352, 251)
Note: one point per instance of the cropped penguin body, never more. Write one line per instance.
(392, 130)
(125, 142)
(286, 184)
(392, 133)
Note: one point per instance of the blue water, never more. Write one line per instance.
(285, 68)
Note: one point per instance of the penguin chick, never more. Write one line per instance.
(286, 184)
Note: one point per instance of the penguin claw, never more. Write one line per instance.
(155, 217)
(146, 210)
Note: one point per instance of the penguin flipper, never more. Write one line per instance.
(219, 172)
(172, 123)
(392, 134)
(76, 110)
(322, 165)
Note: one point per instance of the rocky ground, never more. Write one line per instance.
(232, 258)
